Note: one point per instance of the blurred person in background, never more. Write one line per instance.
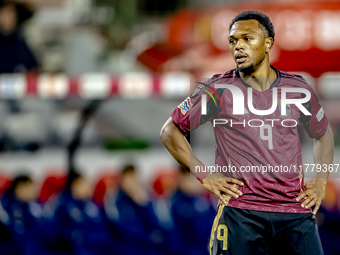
(21, 218)
(15, 54)
(77, 225)
(133, 214)
(164, 186)
(193, 214)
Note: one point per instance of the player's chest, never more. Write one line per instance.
(254, 108)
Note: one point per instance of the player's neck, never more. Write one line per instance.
(262, 77)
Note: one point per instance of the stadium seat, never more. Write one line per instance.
(164, 182)
(5, 181)
(53, 184)
(106, 183)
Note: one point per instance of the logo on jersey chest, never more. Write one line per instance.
(284, 103)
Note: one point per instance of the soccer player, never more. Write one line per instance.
(267, 211)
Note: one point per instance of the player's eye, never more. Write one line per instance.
(247, 38)
(231, 41)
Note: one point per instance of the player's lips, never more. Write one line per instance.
(241, 57)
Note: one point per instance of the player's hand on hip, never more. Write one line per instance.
(313, 194)
(220, 185)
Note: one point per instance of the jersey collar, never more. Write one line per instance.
(274, 84)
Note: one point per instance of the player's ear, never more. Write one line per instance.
(269, 44)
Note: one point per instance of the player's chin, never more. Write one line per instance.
(246, 68)
(243, 65)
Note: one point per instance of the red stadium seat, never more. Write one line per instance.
(164, 182)
(53, 184)
(106, 183)
(5, 181)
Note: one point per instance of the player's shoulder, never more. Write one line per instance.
(292, 76)
(227, 75)
(215, 79)
(293, 80)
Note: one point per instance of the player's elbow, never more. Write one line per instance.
(166, 131)
(164, 135)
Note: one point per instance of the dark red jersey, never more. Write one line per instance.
(263, 151)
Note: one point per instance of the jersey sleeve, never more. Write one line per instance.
(188, 115)
(315, 124)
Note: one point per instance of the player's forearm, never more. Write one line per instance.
(178, 146)
(323, 152)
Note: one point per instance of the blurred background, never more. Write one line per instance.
(85, 87)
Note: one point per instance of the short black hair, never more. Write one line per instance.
(263, 19)
(128, 169)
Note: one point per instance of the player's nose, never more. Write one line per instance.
(239, 45)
